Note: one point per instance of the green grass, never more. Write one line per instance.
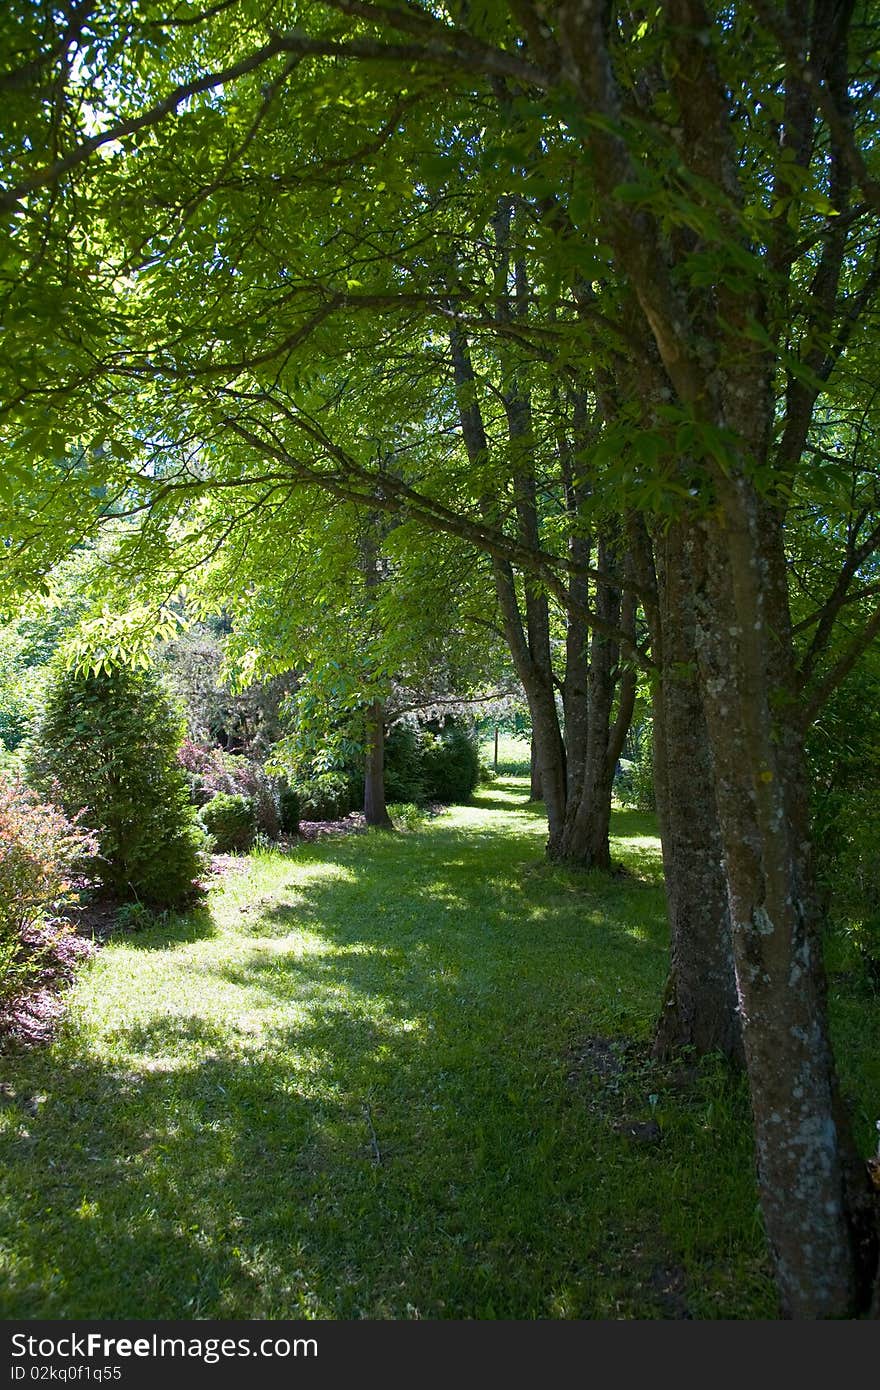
(514, 754)
(350, 1088)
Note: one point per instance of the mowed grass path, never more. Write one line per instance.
(350, 1088)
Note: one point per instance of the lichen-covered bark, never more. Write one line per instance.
(535, 790)
(700, 1005)
(585, 840)
(375, 809)
(816, 1218)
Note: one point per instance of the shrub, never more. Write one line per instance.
(326, 797)
(406, 815)
(107, 746)
(634, 783)
(450, 764)
(210, 770)
(134, 917)
(487, 773)
(41, 853)
(849, 873)
(404, 782)
(231, 822)
(423, 766)
(843, 748)
(288, 810)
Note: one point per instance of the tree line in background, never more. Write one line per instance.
(377, 324)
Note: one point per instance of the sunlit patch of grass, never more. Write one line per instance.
(348, 1091)
(514, 754)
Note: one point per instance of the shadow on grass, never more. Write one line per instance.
(367, 1112)
(489, 801)
(171, 929)
(627, 823)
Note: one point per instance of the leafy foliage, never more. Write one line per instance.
(288, 810)
(424, 765)
(42, 853)
(844, 752)
(108, 744)
(450, 764)
(692, 204)
(211, 770)
(404, 780)
(327, 796)
(635, 781)
(406, 815)
(19, 690)
(230, 821)
(246, 721)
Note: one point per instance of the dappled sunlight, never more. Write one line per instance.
(343, 1093)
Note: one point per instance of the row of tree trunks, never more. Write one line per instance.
(721, 375)
(578, 806)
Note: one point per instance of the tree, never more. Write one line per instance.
(106, 747)
(700, 234)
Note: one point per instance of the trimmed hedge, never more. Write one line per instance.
(231, 822)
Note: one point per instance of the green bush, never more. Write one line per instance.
(406, 815)
(106, 748)
(210, 770)
(134, 917)
(288, 810)
(843, 749)
(325, 797)
(450, 764)
(404, 782)
(421, 765)
(634, 783)
(849, 872)
(231, 822)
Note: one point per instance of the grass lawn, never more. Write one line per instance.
(513, 754)
(365, 1083)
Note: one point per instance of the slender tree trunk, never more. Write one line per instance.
(586, 836)
(700, 1007)
(575, 686)
(535, 792)
(375, 810)
(529, 644)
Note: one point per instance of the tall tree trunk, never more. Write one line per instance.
(535, 792)
(813, 1189)
(529, 645)
(700, 1006)
(586, 837)
(575, 685)
(375, 810)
